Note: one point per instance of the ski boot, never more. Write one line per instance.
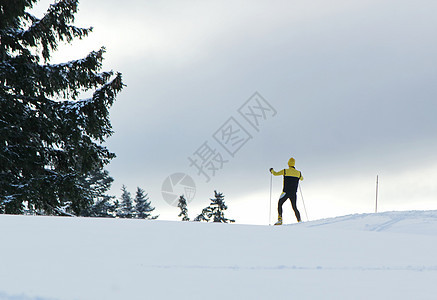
(279, 221)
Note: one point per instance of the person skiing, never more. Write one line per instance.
(291, 183)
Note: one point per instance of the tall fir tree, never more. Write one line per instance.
(125, 209)
(217, 208)
(182, 204)
(50, 139)
(143, 206)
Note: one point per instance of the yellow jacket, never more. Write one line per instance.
(291, 172)
(291, 177)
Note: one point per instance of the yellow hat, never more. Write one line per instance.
(291, 162)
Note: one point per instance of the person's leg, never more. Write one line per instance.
(293, 199)
(281, 201)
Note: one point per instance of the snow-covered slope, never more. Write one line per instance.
(371, 256)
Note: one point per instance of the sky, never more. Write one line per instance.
(218, 92)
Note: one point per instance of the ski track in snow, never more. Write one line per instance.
(385, 226)
(4, 296)
(284, 267)
(386, 221)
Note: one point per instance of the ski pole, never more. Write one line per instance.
(300, 189)
(270, 207)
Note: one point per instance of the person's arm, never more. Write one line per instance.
(301, 177)
(276, 173)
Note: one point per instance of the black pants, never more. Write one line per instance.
(293, 198)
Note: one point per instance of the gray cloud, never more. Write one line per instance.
(353, 84)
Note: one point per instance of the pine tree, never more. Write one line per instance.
(125, 209)
(50, 139)
(143, 206)
(182, 204)
(217, 208)
(97, 184)
(203, 216)
(102, 208)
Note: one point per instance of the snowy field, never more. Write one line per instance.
(370, 256)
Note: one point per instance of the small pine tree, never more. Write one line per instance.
(102, 208)
(143, 205)
(125, 209)
(184, 210)
(97, 183)
(203, 216)
(217, 208)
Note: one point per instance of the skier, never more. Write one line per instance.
(291, 183)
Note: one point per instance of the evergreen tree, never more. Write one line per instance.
(103, 208)
(49, 138)
(143, 206)
(97, 184)
(182, 204)
(125, 209)
(217, 208)
(203, 216)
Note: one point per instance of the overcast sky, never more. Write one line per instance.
(348, 88)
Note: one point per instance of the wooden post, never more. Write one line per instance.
(376, 203)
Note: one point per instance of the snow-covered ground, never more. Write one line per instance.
(389, 255)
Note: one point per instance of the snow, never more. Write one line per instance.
(368, 256)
